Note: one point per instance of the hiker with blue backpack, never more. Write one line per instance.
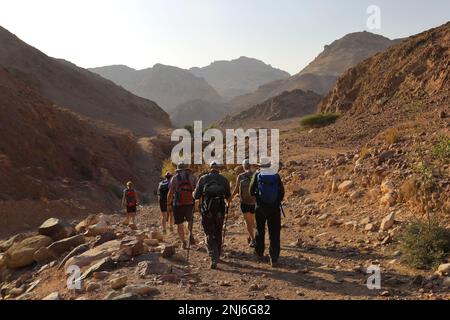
(163, 191)
(268, 190)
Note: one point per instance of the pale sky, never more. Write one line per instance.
(287, 34)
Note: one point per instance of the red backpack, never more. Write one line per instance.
(130, 196)
(184, 190)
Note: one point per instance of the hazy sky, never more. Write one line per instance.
(139, 33)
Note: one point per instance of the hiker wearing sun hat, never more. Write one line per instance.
(268, 190)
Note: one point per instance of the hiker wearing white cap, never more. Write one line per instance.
(181, 202)
(248, 202)
(213, 191)
(268, 189)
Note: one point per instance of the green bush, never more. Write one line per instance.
(441, 150)
(425, 244)
(319, 120)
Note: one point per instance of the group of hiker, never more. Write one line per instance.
(261, 194)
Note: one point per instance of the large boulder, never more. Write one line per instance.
(388, 222)
(86, 223)
(87, 258)
(44, 255)
(62, 246)
(21, 254)
(5, 245)
(56, 229)
(98, 229)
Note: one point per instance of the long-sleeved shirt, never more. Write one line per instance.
(254, 186)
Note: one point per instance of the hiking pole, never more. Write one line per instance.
(282, 210)
(225, 227)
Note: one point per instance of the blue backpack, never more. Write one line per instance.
(268, 187)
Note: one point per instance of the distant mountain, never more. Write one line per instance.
(322, 73)
(198, 110)
(286, 105)
(80, 90)
(240, 76)
(166, 85)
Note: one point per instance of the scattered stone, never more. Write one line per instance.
(385, 294)
(86, 223)
(385, 156)
(356, 195)
(95, 254)
(78, 250)
(370, 227)
(56, 229)
(98, 229)
(346, 186)
(92, 287)
(3, 263)
(43, 256)
(168, 252)
(387, 200)
(387, 187)
(444, 269)
(169, 278)
(119, 282)
(105, 264)
(151, 242)
(5, 245)
(106, 237)
(324, 216)
(268, 296)
(299, 293)
(147, 268)
(137, 246)
(21, 254)
(53, 297)
(155, 235)
(102, 275)
(388, 222)
(62, 246)
(125, 297)
(141, 290)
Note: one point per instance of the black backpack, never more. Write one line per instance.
(164, 189)
(214, 195)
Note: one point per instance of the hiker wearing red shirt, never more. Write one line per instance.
(130, 202)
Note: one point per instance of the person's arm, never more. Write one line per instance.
(199, 189)
(236, 188)
(254, 185)
(170, 194)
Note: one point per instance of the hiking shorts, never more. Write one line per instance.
(132, 209)
(183, 214)
(248, 208)
(163, 206)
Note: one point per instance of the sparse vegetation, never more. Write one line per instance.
(425, 244)
(167, 166)
(391, 136)
(364, 153)
(319, 120)
(441, 151)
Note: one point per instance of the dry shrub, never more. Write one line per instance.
(409, 189)
(391, 136)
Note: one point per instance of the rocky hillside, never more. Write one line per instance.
(48, 153)
(168, 86)
(322, 73)
(393, 87)
(292, 104)
(198, 110)
(80, 90)
(240, 76)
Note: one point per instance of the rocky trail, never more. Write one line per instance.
(329, 239)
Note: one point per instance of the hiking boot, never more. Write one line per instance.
(274, 263)
(164, 232)
(192, 240)
(133, 226)
(185, 245)
(249, 240)
(171, 229)
(213, 265)
(252, 244)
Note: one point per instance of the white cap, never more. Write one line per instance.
(246, 163)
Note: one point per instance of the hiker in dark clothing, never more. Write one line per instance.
(268, 189)
(163, 191)
(213, 191)
(180, 200)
